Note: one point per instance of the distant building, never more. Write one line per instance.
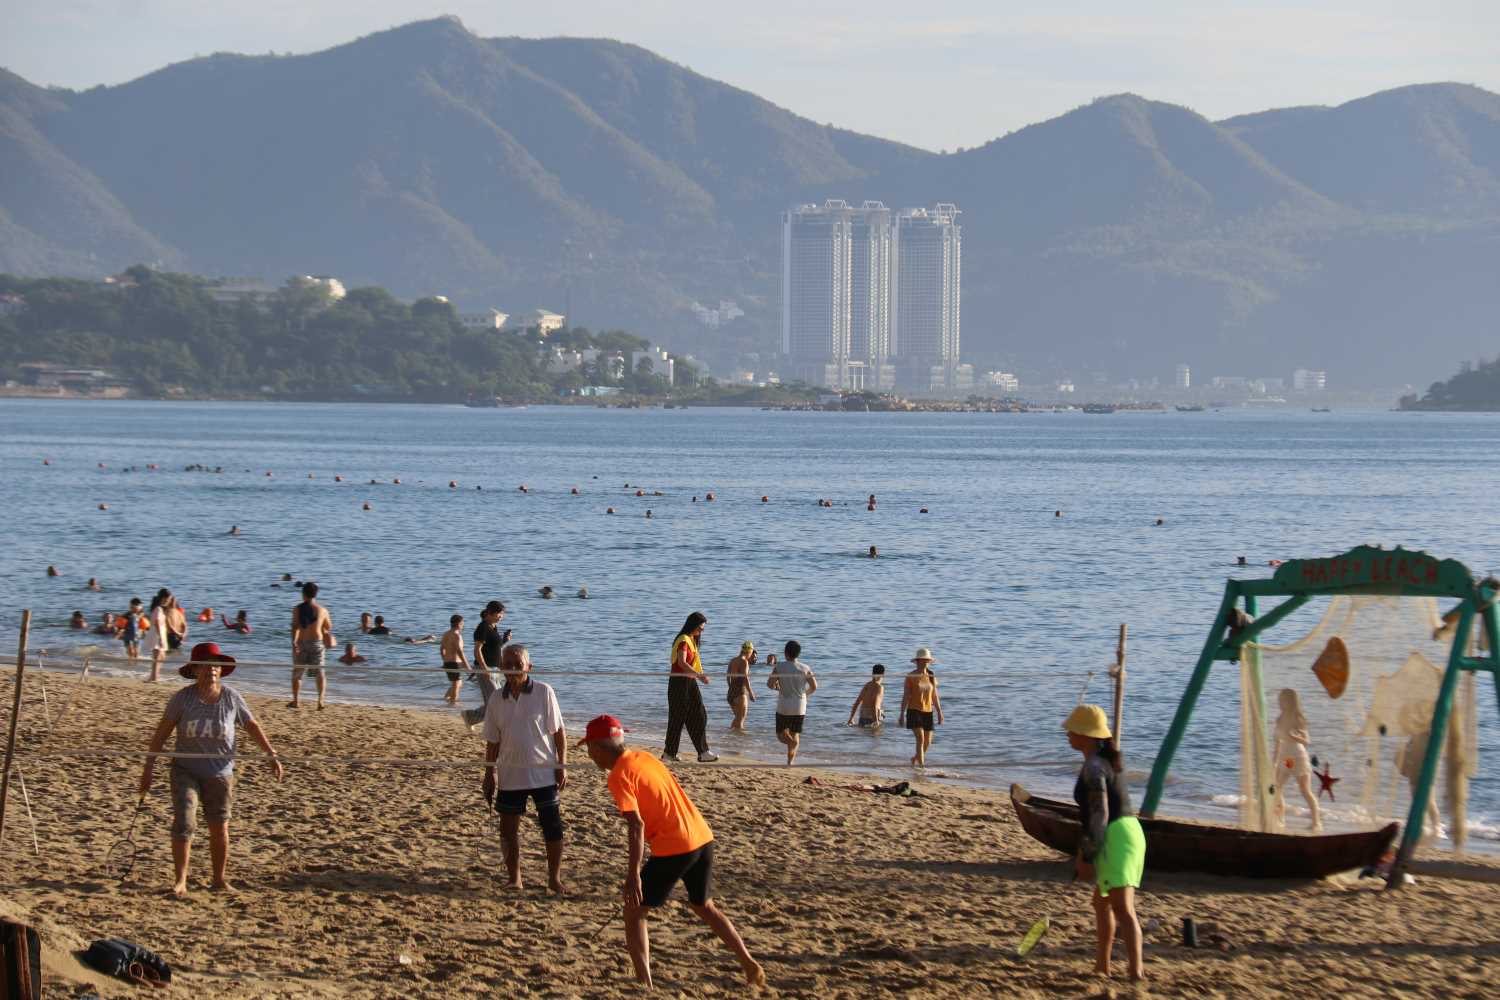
(547, 323)
(83, 381)
(1230, 382)
(1309, 380)
(816, 258)
(12, 305)
(484, 319)
(1003, 381)
(233, 291)
(727, 312)
(333, 287)
(925, 294)
(1183, 378)
(656, 360)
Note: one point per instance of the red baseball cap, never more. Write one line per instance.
(207, 652)
(604, 727)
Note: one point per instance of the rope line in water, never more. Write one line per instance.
(144, 663)
(419, 763)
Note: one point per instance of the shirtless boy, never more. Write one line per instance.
(871, 701)
(312, 633)
(454, 660)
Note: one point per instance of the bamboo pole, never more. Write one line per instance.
(1119, 675)
(15, 715)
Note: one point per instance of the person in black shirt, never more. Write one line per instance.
(489, 644)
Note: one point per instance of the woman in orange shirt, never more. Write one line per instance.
(920, 704)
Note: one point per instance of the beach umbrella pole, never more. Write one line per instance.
(15, 715)
(1119, 675)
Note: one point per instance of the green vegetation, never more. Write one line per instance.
(1474, 388)
(167, 334)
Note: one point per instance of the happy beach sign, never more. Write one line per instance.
(1373, 570)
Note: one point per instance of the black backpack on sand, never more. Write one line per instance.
(126, 960)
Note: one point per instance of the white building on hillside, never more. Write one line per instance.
(1309, 380)
(484, 319)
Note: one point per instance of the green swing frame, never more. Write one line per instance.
(1360, 571)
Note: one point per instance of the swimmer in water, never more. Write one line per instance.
(419, 640)
(350, 656)
(241, 623)
(583, 593)
(234, 529)
(78, 621)
(107, 626)
(379, 628)
(365, 623)
(874, 552)
(93, 584)
(546, 593)
(52, 571)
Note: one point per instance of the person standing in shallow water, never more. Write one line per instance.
(740, 693)
(312, 634)
(1112, 848)
(684, 700)
(921, 708)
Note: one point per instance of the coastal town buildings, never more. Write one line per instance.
(1309, 380)
(870, 298)
(484, 319)
(1183, 377)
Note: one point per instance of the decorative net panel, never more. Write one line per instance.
(1352, 700)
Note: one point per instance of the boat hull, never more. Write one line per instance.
(1173, 846)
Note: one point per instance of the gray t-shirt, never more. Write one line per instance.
(791, 692)
(205, 728)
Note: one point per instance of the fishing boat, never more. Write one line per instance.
(1177, 846)
(1099, 408)
(1195, 408)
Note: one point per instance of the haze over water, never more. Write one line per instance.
(1018, 604)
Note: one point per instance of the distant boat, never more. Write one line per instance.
(1098, 408)
(1321, 409)
(1195, 408)
(483, 402)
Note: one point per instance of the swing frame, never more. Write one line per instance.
(1364, 570)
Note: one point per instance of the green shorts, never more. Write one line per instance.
(1123, 858)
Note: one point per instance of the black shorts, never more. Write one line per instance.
(695, 869)
(789, 723)
(918, 720)
(454, 672)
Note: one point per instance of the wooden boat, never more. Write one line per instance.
(1173, 846)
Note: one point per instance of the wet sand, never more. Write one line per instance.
(344, 869)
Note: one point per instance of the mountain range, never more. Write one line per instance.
(1125, 236)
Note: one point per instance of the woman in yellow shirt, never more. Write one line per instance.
(684, 701)
(920, 704)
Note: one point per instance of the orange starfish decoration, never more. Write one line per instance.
(1326, 781)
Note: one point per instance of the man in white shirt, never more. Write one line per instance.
(525, 742)
(792, 681)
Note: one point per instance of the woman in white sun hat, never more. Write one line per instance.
(921, 708)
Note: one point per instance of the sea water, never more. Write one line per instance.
(1021, 606)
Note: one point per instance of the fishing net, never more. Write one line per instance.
(1352, 701)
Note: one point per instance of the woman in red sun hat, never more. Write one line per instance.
(204, 714)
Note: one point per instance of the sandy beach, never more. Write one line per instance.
(381, 881)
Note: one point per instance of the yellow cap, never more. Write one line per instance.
(1088, 720)
(747, 647)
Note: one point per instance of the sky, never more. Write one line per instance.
(941, 74)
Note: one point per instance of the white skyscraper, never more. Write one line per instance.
(816, 258)
(1184, 377)
(925, 295)
(871, 238)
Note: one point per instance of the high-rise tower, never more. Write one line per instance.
(925, 294)
(816, 251)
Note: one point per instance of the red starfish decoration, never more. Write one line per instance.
(1326, 781)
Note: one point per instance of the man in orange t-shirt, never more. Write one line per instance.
(657, 811)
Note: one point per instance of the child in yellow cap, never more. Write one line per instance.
(1112, 848)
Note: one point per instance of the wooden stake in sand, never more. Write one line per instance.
(15, 714)
(1118, 673)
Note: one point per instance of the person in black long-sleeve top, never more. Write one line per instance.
(1112, 848)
